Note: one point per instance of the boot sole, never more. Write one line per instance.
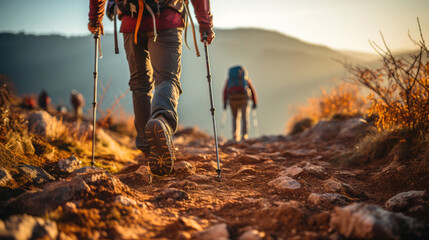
(161, 157)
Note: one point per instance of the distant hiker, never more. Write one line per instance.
(44, 100)
(153, 44)
(238, 89)
(77, 101)
(29, 103)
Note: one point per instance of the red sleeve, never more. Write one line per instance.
(96, 10)
(252, 89)
(204, 16)
(225, 93)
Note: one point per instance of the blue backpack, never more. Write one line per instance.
(237, 80)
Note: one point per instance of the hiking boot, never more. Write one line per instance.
(159, 136)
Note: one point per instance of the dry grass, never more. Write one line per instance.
(343, 99)
(393, 145)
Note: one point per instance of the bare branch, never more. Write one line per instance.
(376, 48)
(421, 33)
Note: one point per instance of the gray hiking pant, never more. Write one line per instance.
(154, 63)
(240, 110)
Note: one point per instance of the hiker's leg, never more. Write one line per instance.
(141, 84)
(79, 112)
(245, 118)
(75, 113)
(166, 55)
(234, 105)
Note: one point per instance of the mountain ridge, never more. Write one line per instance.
(275, 63)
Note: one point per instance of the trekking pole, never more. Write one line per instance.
(255, 122)
(94, 102)
(115, 28)
(223, 122)
(212, 109)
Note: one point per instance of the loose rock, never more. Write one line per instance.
(172, 193)
(216, 232)
(245, 171)
(4, 177)
(141, 176)
(252, 234)
(184, 167)
(292, 171)
(34, 174)
(199, 178)
(284, 183)
(328, 199)
(28, 227)
(334, 186)
(408, 202)
(190, 224)
(88, 169)
(317, 171)
(69, 164)
(53, 195)
(362, 221)
(336, 129)
(39, 121)
(129, 232)
(125, 201)
(182, 235)
(184, 184)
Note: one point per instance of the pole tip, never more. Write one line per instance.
(218, 173)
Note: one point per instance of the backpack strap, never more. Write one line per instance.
(149, 9)
(139, 19)
(188, 15)
(142, 4)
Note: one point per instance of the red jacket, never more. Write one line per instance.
(251, 87)
(169, 17)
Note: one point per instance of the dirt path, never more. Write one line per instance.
(275, 187)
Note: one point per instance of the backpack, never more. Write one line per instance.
(237, 81)
(77, 100)
(131, 7)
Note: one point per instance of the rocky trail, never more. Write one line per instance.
(272, 187)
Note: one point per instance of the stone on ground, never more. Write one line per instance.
(5, 177)
(284, 183)
(409, 202)
(33, 174)
(69, 164)
(363, 221)
(216, 232)
(28, 227)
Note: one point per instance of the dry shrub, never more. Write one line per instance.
(371, 148)
(343, 99)
(59, 130)
(14, 133)
(4, 92)
(386, 146)
(125, 126)
(399, 101)
(399, 89)
(56, 130)
(106, 117)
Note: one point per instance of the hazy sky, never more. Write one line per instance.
(339, 24)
